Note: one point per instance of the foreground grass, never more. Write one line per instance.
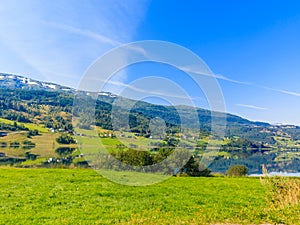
(65, 196)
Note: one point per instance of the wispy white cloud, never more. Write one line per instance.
(290, 93)
(252, 107)
(87, 33)
(297, 94)
(222, 77)
(170, 91)
(75, 34)
(204, 72)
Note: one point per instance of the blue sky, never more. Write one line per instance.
(253, 47)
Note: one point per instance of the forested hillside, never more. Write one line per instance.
(53, 109)
(40, 119)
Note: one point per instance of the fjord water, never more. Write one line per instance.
(282, 162)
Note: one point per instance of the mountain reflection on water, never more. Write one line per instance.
(279, 161)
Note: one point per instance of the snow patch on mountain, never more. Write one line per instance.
(16, 81)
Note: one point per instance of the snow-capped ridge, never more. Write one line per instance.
(17, 81)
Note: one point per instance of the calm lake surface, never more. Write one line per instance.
(282, 162)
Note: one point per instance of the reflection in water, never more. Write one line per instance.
(16, 145)
(276, 160)
(254, 159)
(3, 145)
(27, 147)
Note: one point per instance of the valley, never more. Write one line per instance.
(33, 117)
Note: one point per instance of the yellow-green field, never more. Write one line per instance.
(45, 144)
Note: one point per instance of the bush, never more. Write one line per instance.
(14, 144)
(65, 139)
(30, 156)
(32, 133)
(134, 157)
(3, 144)
(194, 168)
(80, 162)
(237, 171)
(64, 151)
(28, 143)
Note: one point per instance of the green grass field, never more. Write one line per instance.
(74, 196)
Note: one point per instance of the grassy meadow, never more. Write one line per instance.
(82, 196)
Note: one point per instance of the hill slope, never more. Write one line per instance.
(25, 100)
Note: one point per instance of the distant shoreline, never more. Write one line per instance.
(283, 174)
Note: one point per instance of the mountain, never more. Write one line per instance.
(47, 105)
(42, 102)
(20, 82)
